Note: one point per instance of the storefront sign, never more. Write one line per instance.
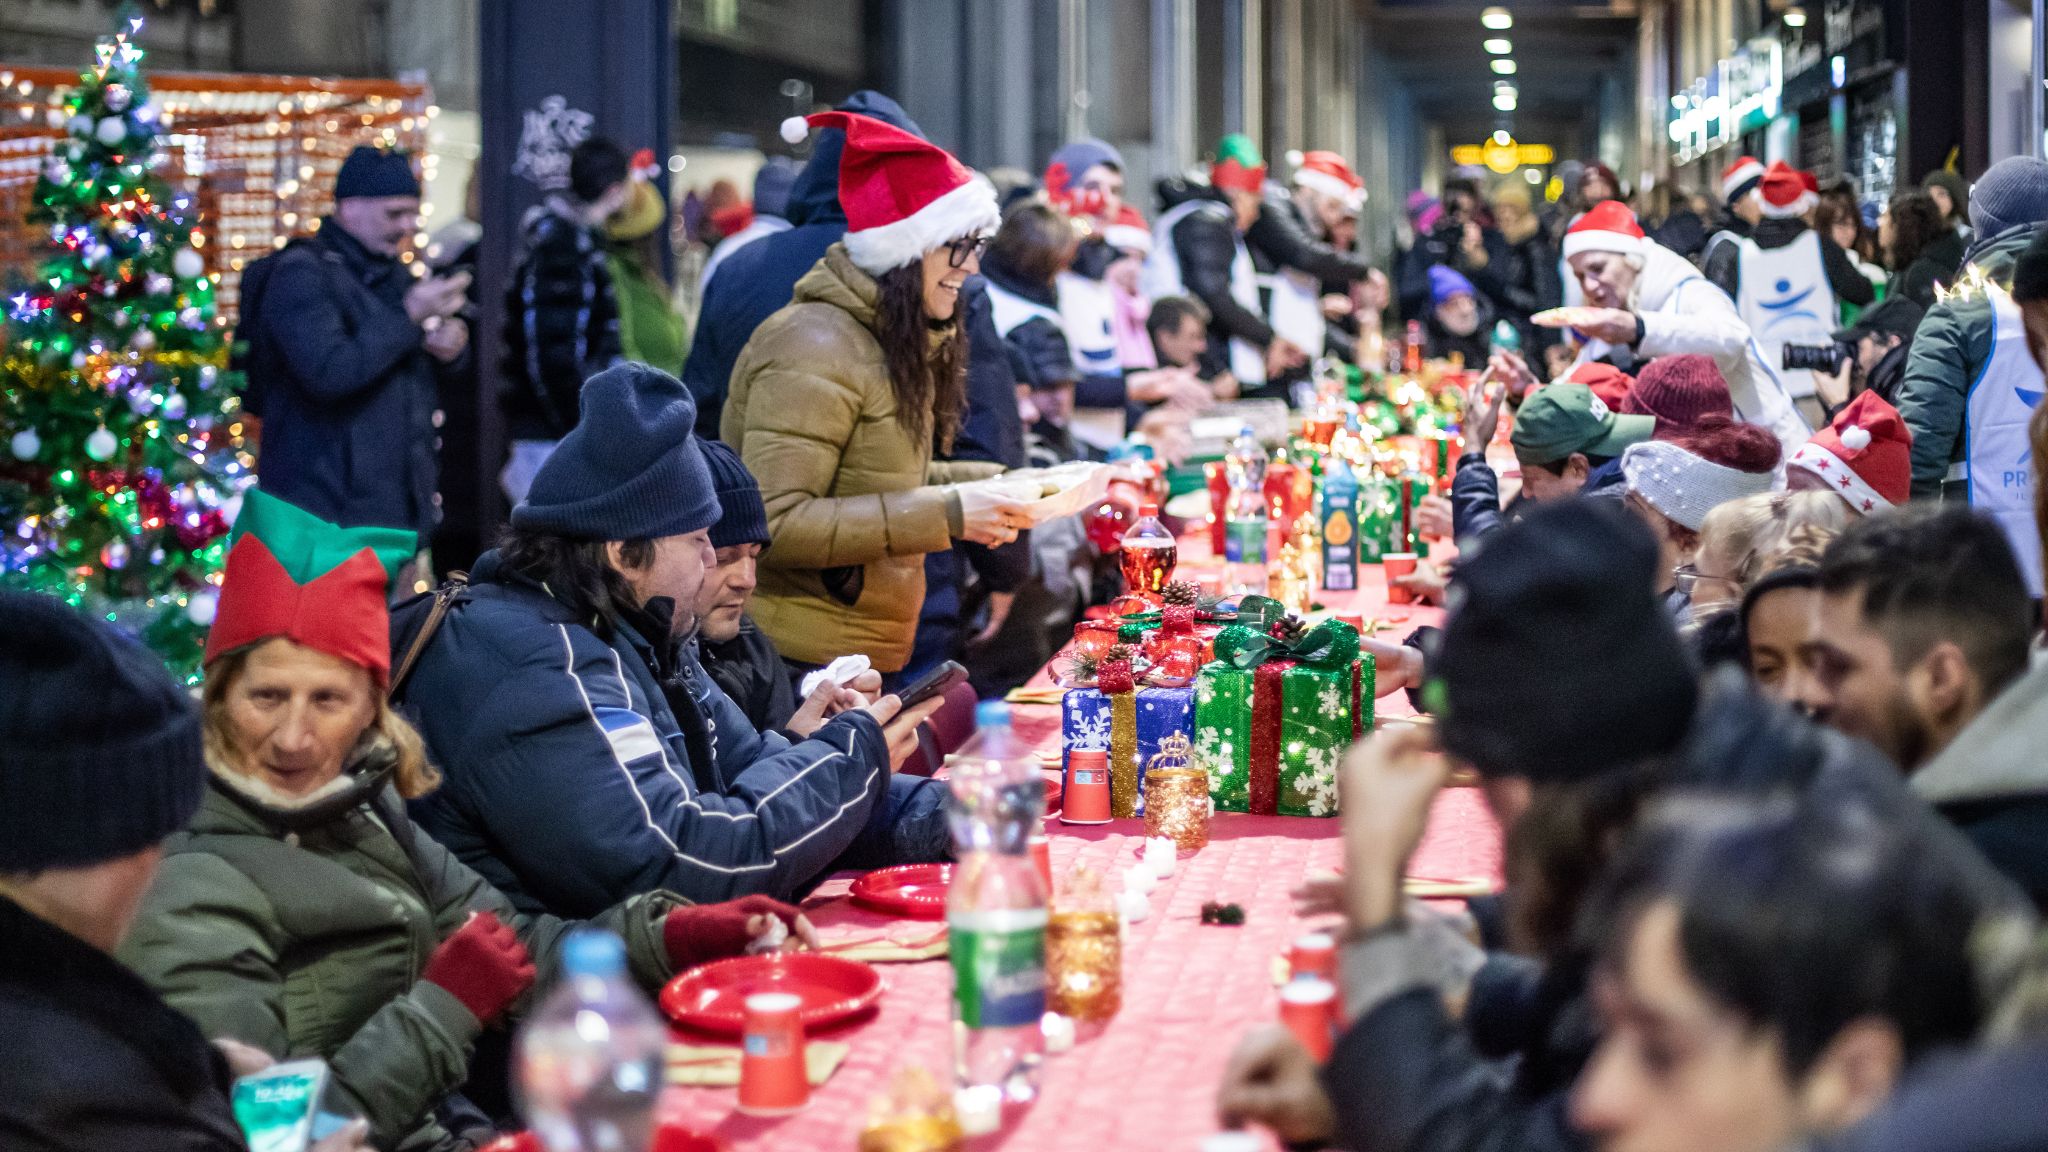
(1503, 158)
(1743, 94)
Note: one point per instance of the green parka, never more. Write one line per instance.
(304, 933)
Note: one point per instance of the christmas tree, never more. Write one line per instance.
(120, 438)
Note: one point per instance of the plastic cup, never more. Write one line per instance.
(1399, 564)
(1307, 1008)
(1313, 954)
(773, 1079)
(1041, 856)
(1085, 799)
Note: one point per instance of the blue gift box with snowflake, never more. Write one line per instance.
(1089, 718)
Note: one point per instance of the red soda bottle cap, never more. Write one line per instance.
(1148, 508)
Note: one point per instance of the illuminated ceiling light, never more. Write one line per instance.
(1795, 17)
(1498, 46)
(1501, 137)
(1504, 67)
(1504, 101)
(1496, 19)
(1533, 176)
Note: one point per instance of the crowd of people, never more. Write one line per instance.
(1745, 658)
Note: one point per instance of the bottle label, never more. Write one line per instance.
(998, 967)
(1340, 552)
(1244, 542)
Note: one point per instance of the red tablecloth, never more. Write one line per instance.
(1148, 1081)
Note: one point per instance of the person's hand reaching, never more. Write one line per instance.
(1272, 1081)
(990, 513)
(1433, 517)
(899, 724)
(1386, 786)
(826, 700)
(702, 932)
(1427, 583)
(483, 965)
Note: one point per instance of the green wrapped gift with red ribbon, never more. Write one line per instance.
(1274, 712)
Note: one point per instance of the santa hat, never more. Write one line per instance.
(1608, 227)
(903, 196)
(1326, 172)
(291, 574)
(1128, 231)
(1787, 192)
(1609, 383)
(1865, 454)
(1740, 178)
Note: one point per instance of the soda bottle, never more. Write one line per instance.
(1411, 355)
(1246, 520)
(590, 1058)
(996, 916)
(1506, 338)
(1340, 526)
(1149, 552)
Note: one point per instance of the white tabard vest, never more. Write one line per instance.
(1162, 278)
(1088, 317)
(1294, 307)
(1009, 310)
(1995, 445)
(1786, 299)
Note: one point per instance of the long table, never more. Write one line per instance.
(1190, 990)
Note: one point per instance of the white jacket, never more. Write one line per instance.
(1684, 313)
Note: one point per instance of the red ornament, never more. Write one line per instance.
(1115, 676)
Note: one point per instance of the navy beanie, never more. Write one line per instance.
(100, 752)
(630, 469)
(375, 172)
(742, 518)
(2012, 192)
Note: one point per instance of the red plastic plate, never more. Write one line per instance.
(912, 891)
(712, 997)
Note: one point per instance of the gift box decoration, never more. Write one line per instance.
(1273, 714)
(1128, 720)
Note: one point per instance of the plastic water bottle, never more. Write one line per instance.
(995, 918)
(590, 1059)
(1245, 516)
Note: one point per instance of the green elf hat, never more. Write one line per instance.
(291, 574)
(1238, 164)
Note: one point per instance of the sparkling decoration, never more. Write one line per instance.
(125, 436)
(1084, 964)
(1177, 798)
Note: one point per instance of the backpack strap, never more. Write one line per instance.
(456, 586)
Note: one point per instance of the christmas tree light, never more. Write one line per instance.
(123, 454)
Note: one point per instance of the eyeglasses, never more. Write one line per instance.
(1686, 577)
(958, 252)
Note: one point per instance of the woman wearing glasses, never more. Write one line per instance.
(1674, 484)
(839, 399)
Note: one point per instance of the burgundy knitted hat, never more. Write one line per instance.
(1679, 391)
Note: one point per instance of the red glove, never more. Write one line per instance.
(483, 965)
(704, 932)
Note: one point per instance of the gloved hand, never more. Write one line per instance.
(482, 964)
(701, 932)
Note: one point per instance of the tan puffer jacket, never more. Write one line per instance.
(854, 501)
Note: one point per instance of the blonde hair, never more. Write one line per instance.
(413, 776)
(1752, 532)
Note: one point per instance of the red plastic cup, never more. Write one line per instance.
(1357, 622)
(1308, 1007)
(1399, 564)
(1313, 954)
(1041, 855)
(1086, 796)
(773, 1079)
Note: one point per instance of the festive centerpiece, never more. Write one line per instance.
(1275, 710)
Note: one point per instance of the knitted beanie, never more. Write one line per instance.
(1679, 391)
(630, 469)
(375, 172)
(1683, 486)
(2012, 192)
(742, 518)
(100, 753)
(1446, 282)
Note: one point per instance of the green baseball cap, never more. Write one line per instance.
(1560, 419)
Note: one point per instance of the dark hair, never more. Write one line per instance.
(1559, 848)
(1557, 467)
(595, 166)
(1169, 312)
(577, 573)
(1034, 244)
(1933, 572)
(1837, 204)
(1465, 184)
(1802, 916)
(1916, 223)
(930, 380)
(1743, 447)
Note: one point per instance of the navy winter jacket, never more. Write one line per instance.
(570, 781)
(348, 392)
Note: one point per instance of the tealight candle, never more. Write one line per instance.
(1140, 878)
(1160, 856)
(1132, 906)
(1059, 1033)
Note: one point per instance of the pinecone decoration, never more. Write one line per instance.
(1287, 629)
(1185, 592)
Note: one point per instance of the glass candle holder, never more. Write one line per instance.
(1177, 806)
(1084, 961)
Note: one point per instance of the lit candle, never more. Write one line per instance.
(1160, 854)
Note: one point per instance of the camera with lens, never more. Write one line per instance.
(1823, 358)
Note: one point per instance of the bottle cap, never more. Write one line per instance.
(593, 952)
(992, 714)
(1148, 508)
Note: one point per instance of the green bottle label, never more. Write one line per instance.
(998, 966)
(1244, 542)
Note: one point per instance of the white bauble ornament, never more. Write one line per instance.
(111, 131)
(139, 401)
(80, 126)
(116, 97)
(188, 264)
(201, 607)
(57, 171)
(25, 444)
(143, 340)
(174, 407)
(114, 556)
(101, 444)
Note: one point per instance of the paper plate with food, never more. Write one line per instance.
(1062, 490)
(1571, 316)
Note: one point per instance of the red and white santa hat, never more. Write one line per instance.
(1864, 455)
(1740, 178)
(1128, 231)
(904, 196)
(1607, 227)
(1787, 192)
(1326, 172)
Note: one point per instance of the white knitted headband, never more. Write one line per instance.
(1686, 487)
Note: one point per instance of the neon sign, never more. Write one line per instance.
(1745, 94)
